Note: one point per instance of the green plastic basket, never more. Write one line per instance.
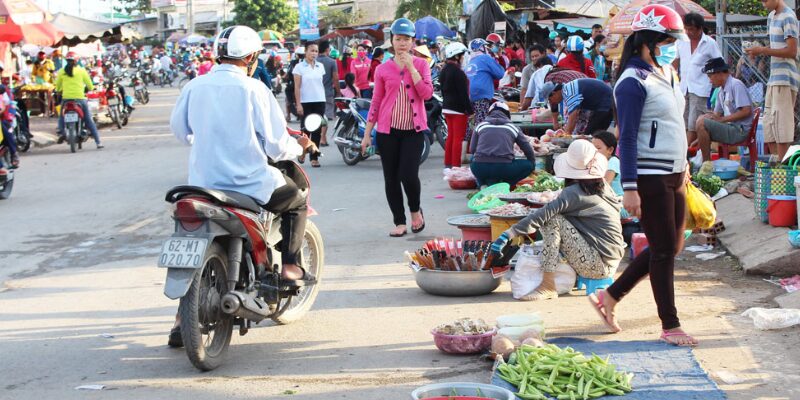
(500, 188)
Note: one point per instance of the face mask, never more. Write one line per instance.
(602, 49)
(362, 54)
(495, 50)
(668, 54)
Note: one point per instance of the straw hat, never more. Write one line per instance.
(581, 161)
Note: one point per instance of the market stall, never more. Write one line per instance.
(79, 30)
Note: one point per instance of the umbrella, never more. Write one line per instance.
(621, 23)
(430, 28)
(192, 39)
(23, 20)
(268, 34)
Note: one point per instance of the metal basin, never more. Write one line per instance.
(462, 389)
(457, 283)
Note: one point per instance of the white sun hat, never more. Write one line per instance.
(581, 161)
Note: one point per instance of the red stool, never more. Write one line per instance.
(750, 143)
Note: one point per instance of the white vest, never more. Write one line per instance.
(661, 142)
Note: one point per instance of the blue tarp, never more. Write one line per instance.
(661, 371)
(430, 28)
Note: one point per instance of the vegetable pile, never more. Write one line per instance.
(563, 373)
(545, 181)
(710, 184)
(464, 327)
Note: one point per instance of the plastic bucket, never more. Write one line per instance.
(474, 233)
(782, 210)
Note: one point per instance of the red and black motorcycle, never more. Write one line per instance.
(224, 264)
(75, 131)
(6, 172)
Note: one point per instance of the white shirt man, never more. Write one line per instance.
(166, 62)
(230, 144)
(694, 83)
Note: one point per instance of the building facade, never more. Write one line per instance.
(191, 16)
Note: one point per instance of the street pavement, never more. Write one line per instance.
(82, 303)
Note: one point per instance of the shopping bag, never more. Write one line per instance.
(700, 207)
(769, 181)
(528, 271)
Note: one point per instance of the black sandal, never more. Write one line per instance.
(306, 280)
(392, 234)
(418, 230)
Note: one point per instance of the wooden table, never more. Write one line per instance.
(38, 99)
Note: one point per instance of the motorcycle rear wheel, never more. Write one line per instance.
(351, 156)
(441, 131)
(5, 193)
(23, 140)
(313, 261)
(426, 150)
(115, 117)
(72, 139)
(205, 329)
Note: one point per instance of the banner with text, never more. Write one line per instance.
(309, 22)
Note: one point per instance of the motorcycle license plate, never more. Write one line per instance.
(113, 102)
(182, 253)
(70, 117)
(139, 87)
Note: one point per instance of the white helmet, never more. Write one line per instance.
(237, 42)
(454, 49)
(300, 50)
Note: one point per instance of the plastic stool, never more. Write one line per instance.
(592, 285)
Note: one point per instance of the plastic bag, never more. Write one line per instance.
(528, 271)
(565, 278)
(773, 318)
(700, 211)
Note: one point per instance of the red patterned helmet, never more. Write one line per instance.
(494, 38)
(71, 55)
(659, 18)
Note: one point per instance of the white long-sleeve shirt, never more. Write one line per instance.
(236, 124)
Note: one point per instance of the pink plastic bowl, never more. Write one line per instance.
(463, 344)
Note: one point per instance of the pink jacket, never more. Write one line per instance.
(388, 78)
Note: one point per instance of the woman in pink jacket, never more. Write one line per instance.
(398, 108)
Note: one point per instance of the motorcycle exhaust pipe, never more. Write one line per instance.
(347, 143)
(250, 308)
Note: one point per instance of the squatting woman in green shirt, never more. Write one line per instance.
(73, 82)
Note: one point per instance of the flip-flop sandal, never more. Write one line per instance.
(597, 305)
(666, 335)
(421, 227)
(307, 280)
(392, 234)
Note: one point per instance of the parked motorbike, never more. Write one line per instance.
(224, 264)
(350, 127)
(75, 131)
(6, 172)
(139, 85)
(436, 121)
(23, 136)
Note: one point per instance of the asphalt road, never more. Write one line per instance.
(82, 298)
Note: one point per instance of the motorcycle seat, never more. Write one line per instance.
(363, 104)
(218, 197)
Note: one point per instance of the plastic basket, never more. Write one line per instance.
(463, 344)
(464, 184)
(500, 188)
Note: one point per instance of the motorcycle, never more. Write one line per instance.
(117, 110)
(351, 125)
(189, 74)
(166, 77)
(139, 85)
(23, 136)
(6, 172)
(74, 130)
(436, 121)
(224, 264)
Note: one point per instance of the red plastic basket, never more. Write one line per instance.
(463, 344)
(463, 184)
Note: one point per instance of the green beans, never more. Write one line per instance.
(562, 373)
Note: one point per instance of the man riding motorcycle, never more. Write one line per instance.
(235, 138)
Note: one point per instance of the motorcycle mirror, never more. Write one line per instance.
(313, 122)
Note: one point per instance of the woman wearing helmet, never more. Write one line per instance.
(482, 71)
(652, 148)
(72, 83)
(456, 105)
(402, 85)
(575, 60)
(495, 45)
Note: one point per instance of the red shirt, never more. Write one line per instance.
(361, 68)
(570, 62)
(343, 67)
(375, 64)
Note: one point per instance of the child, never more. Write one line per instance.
(350, 90)
(606, 144)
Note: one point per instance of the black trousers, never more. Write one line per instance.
(663, 213)
(313, 108)
(400, 156)
(290, 203)
(599, 121)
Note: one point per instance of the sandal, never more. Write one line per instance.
(666, 335)
(421, 227)
(306, 280)
(392, 234)
(597, 302)
(315, 164)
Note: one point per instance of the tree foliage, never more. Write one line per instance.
(133, 6)
(748, 7)
(337, 18)
(265, 14)
(447, 11)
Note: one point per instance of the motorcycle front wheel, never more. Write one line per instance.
(426, 150)
(23, 140)
(441, 131)
(205, 329)
(351, 156)
(114, 114)
(312, 255)
(5, 193)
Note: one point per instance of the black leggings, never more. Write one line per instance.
(663, 211)
(290, 202)
(400, 156)
(313, 108)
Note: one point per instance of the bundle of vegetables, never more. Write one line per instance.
(710, 184)
(545, 181)
(563, 373)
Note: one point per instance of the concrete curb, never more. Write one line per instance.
(760, 248)
(43, 139)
